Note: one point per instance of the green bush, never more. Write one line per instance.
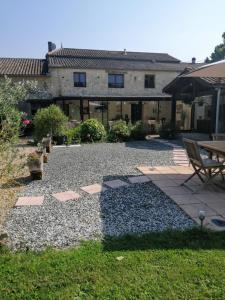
(139, 131)
(112, 137)
(92, 130)
(167, 131)
(73, 135)
(120, 132)
(50, 120)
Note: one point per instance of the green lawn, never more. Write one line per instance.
(170, 265)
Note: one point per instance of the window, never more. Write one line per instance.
(149, 81)
(79, 79)
(115, 80)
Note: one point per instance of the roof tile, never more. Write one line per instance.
(22, 66)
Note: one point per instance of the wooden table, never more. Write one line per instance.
(214, 147)
(217, 148)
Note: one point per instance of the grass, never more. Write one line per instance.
(168, 265)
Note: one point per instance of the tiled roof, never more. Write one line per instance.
(88, 53)
(208, 80)
(115, 64)
(22, 67)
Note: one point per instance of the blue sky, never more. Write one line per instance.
(179, 27)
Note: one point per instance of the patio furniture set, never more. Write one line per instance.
(207, 169)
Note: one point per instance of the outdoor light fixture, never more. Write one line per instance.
(201, 216)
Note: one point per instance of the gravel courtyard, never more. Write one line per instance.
(135, 208)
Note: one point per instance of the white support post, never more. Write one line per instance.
(217, 110)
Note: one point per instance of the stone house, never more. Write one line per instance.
(107, 85)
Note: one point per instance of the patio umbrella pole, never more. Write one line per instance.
(217, 110)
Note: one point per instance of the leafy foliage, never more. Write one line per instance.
(120, 132)
(11, 93)
(92, 130)
(50, 120)
(73, 135)
(168, 131)
(219, 52)
(112, 137)
(139, 130)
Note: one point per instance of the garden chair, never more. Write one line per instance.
(205, 169)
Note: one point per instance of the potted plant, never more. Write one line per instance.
(35, 164)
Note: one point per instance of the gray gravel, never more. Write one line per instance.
(137, 208)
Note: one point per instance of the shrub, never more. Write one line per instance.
(120, 132)
(33, 157)
(139, 131)
(50, 120)
(73, 135)
(168, 131)
(92, 130)
(112, 137)
(11, 94)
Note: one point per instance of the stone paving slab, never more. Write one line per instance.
(94, 188)
(185, 199)
(209, 224)
(193, 209)
(114, 184)
(65, 196)
(139, 179)
(38, 200)
(209, 199)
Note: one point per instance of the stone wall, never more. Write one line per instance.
(61, 83)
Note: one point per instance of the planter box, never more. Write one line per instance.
(45, 157)
(36, 167)
(47, 144)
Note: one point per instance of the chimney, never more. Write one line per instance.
(193, 60)
(51, 46)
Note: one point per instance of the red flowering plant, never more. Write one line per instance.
(24, 122)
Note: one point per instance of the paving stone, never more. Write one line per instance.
(37, 200)
(193, 209)
(148, 170)
(185, 199)
(180, 159)
(179, 176)
(114, 184)
(165, 183)
(139, 179)
(207, 223)
(65, 196)
(156, 177)
(170, 191)
(94, 188)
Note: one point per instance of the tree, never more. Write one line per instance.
(50, 120)
(11, 93)
(219, 52)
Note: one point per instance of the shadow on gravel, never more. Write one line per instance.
(193, 239)
(17, 182)
(141, 216)
(150, 144)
